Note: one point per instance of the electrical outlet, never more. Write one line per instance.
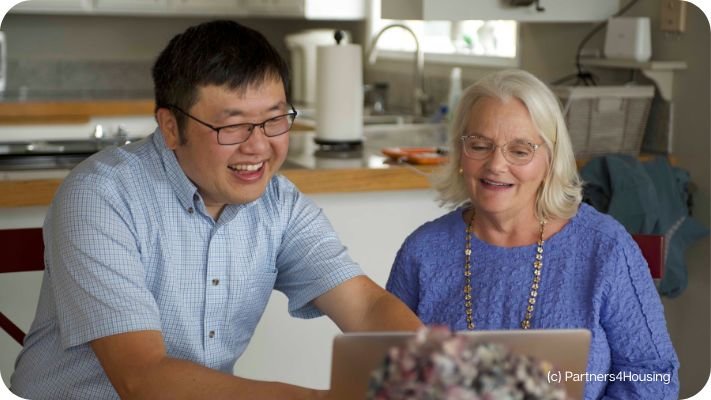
(673, 16)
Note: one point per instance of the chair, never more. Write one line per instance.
(652, 247)
(22, 250)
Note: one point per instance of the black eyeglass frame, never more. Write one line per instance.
(251, 125)
(503, 147)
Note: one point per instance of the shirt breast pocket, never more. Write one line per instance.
(252, 293)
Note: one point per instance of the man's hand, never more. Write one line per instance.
(138, 367)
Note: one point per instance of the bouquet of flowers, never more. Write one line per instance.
(439, 365)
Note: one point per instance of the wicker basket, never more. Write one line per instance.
(605, 119)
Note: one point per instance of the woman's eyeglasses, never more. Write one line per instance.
(517, 152)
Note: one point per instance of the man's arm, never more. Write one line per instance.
(359, 304)
(138, 368)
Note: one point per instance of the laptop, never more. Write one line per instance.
(356, 355)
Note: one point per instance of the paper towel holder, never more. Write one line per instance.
(331, 135)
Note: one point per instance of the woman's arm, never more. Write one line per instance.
(643, 361)
(403, 281)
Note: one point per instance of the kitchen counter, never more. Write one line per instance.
(70, 111)
(311, 170)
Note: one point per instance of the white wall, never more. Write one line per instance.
(373, 226)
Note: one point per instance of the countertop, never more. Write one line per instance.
(311, 169)
(50, 111)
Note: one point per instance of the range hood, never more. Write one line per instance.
(524, 11)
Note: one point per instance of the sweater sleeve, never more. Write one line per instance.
(403, 281)
(644, 363)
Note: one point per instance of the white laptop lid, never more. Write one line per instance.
(356, 355)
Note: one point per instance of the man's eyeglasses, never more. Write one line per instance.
(517, 152)
(238, 133)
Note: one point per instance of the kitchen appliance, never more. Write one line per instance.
(302, 46)
(56, 154)
(628, 38)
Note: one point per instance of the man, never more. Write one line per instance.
(161, 255)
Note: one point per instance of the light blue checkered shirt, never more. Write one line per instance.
(130, 246)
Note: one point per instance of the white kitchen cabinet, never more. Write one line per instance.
(207, 7)
(53, 6)
(309, 9)
(457, 10)
(131, 6)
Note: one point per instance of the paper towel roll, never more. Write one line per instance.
(339, 100)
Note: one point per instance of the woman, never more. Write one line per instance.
(521, 251)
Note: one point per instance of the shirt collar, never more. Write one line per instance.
(185, 190)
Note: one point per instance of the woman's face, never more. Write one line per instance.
(496, 186)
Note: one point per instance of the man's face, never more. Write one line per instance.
(238, 173)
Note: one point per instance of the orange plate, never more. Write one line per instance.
(415, 155)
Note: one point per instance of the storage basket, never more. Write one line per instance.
(605, 119)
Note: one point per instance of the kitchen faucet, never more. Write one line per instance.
(420, 98)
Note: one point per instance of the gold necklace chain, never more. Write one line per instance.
(537, 265)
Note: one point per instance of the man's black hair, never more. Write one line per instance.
(217, 53)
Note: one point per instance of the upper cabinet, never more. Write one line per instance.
(53, 6)
(540, 11)
(131, 6)
(308, 9)
(211, 7)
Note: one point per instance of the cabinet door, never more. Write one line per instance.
(309, 9)
(208, 7)
(53, 6)
(277, 8)
(457, 10)
(130, 6)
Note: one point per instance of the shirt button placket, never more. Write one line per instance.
(215, 295)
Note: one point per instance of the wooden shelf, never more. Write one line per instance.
(661, 72)
(631, 64)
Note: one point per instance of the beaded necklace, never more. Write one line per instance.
(537, 265)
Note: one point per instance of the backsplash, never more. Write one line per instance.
(81, 78)
(400, 89)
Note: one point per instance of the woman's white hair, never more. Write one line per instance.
(560, 193)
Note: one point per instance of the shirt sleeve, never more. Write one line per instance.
(94, 263)
(403, 281)
(644, 363)
(311, 260)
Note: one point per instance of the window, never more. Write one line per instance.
(491, 43)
